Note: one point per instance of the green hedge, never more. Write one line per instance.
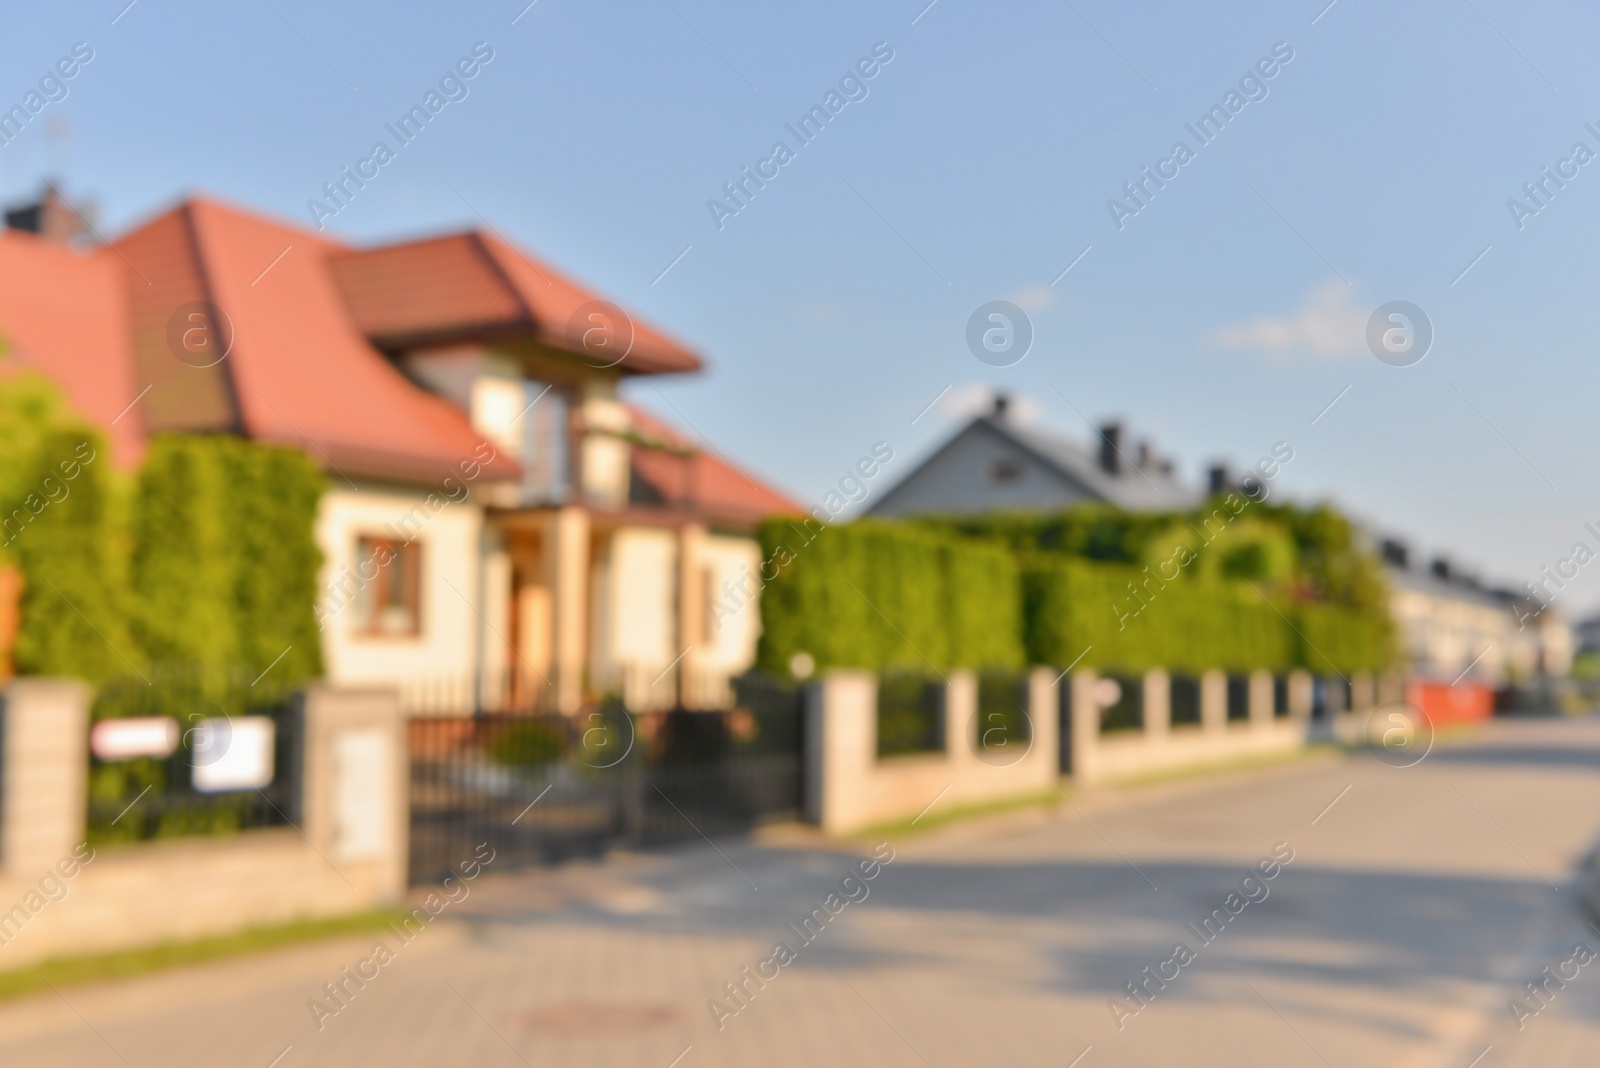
(224, 559)
(1189, 625)
(888, 596)
(1345, 639)
(882, 595)
(74, 603)
(207, 558)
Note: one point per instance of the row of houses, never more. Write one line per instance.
(502, 529)
(1454, 628)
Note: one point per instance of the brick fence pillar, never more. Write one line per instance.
(355, 785)
(44, 763)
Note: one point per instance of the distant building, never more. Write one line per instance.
(1453, 627)
(1587, 634)
(994, 464)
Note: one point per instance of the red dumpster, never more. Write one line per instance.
(1444, 704)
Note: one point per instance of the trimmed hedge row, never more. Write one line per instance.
(1189, 625)
(224, 568)
(74, 605)
(880, 595)
(1074, 605)
(207, 558)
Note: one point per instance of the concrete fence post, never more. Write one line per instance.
(1301, 695)
(841, 745)
(1214, 700)
(1362, 693)
(1261, 698)
(355, 784)
(1157, 705)
(961, 718)
(1044, 720)
(1391, 688)
(44, 762)
(1085, 723)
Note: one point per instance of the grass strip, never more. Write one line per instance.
(72, 970)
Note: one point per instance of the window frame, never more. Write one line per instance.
(408, 554)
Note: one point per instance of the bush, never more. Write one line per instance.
(1189, 625)
(1275, 590)
(224, 558)
(883, 595)
(529, 743)
(210, 561)
(1344, 639)
(74, 604)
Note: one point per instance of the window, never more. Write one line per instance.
(1005, 471)
(390, 599)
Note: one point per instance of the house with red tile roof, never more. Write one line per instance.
(500, 529)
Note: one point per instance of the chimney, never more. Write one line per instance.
(50, 217)
(1110, 457)
(1147, 456)
(1395, 553)
(1219, 480)
(1002, 402)
(1440, 568)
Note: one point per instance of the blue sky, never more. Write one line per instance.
(832, 309)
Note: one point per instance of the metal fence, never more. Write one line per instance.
(544, 787)
(1003, 727)
(184, 749)
(1126, 711)
(1185, 701)
(1238, 697)
(910, 714)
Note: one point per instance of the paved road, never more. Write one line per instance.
(1412, 910)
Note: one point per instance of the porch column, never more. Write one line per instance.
(565, 563)
(692, 688)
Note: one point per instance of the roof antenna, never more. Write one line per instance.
(58, 138)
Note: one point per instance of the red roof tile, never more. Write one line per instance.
(298, 373)
(474, 284)
(65, 314)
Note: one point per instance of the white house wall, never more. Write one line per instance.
(635, 613)
(441, 656)
(734, 615)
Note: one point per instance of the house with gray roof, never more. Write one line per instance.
(996, 464)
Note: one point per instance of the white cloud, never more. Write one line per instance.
(1034, 298)
(1327, 325)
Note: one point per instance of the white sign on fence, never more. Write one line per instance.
(125, 739)
(236, 755)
